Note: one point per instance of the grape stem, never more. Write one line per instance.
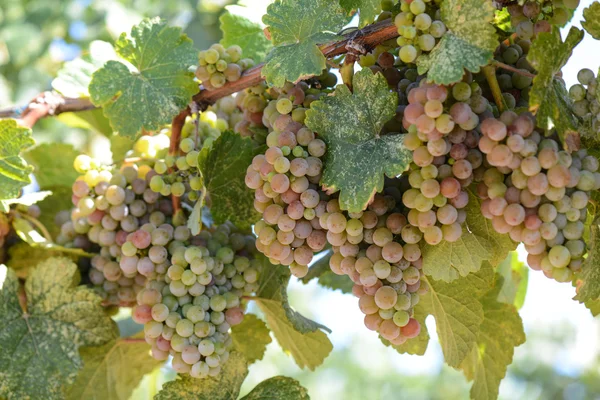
(176, 127)
(510, 68)
(490, 74)
(38, 225)
(50, 103)
(347, 70)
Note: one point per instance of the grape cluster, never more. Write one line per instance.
(583, 94)
(219, 65)
(420, 27)
(515, 86)
(110, 205)
(188, 307)
(537, 193)
(536, 16)
(441, 134)
(386, 271)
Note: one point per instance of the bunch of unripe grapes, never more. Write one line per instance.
(386, 272)
(225, 110)
(110, 205)
(515, 86)
(285, 180)
(188, 310)
(444, 141)
(537, 16)
(253, 102)
(585, 98)
(219, 65)
(537, 193)
(420, 27)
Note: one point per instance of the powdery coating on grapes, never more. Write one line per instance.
(41, 346)
(296, 27)
(592, 20)
(14, 171)
(158, 90)
(357, 157)
(469, 44)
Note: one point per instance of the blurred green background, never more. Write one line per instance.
(561, 357)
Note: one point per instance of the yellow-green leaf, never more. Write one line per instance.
(251, 338)
(14, 171)
(592, 20)
(278, 387)
(53, 163)
(516, 277)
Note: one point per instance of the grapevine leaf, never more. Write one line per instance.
(299, 336)
(469, 43)
(23, 257)
(240, 29)
(251, 338)
(60, 200)
(88, 119)
(417, 345)
(357, 157)
(500, 332)
(27, 199)
(589, 288)
(368, 9)
(33, 238)
(158, 87)
(296, 28)
(593, 306)
(194, 222)
(479, 242)
(548, 98)
(119, 146)
(278, 387)
(592, 20)
(458, 311)
(225, 386)
(223, 166)
(502, 20)
(516, 277)
(53, 164)
(40, 343)
(14, 171)
(112, 371)
(73, 79)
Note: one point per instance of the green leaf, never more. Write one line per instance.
(251, 338)
(158, 87)
(479, 242)
(60, 200)
(14, 171)
(239, 28)
(28, 199)
(500, 332)
(548, 98)
(502, 20)
(119, 146)
(516, 277)
(226, 386)
(53, 164)
(194, 222)
(299, 336)
(592, 20)
(40, 345)
(469, 43)
(357, 157)
(589, 288)
(417, 345)
(112, 371)
(368, 9)
(73, 79)
(278, 387)
(23, 257)
(458, 311)
(296, 27)
(223, 167)
(88, 119)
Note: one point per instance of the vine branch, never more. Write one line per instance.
(51, 103)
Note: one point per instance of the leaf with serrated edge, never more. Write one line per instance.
(357, 158)
(40, 347)
(53, 163)
(548, 98)
(251, 338)
(14, 171)
(417, 345)
(278, 387)
(223, 167)
(592, 20)
(500, 332)
(239, 29)
(159, 88)
(479, 242)
(225, 386)
(296, 28)
(457, 311)
(27, 199)
(112, 371)
(469, 43)
(516, 276)
(368, 9)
